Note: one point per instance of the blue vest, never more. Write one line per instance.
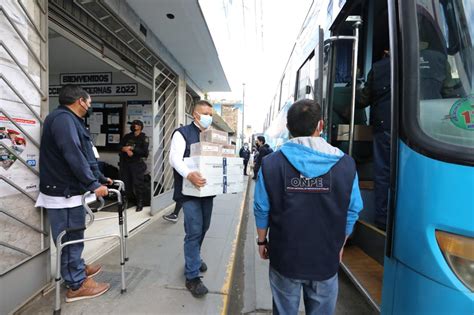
(307, 217)
(191, 135)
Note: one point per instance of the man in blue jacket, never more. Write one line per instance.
(307, 196)
(68, 169)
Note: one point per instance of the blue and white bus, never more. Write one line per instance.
(424, 262)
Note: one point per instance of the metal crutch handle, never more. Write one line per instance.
(121, 184)
(118, 193)
(88, 209)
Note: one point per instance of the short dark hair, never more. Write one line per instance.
(261, 139)
(71, 93)
(303, 117)
(201, 103)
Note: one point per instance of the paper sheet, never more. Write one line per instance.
(100, 140)
(134, 109)
(147, 110)
(95, 122)
(113, 138)
(113, 119)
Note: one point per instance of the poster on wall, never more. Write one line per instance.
(141, 110)
(13, 144)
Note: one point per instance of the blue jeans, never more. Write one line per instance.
(72, 265)
(381, 175)
(319, 296)
(197, 219)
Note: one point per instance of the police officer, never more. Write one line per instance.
(133, 153)
(377, 93)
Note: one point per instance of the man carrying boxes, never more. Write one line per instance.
(200, 173)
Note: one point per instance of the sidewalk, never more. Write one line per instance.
(154, 274)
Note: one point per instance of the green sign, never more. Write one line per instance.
(462, 113)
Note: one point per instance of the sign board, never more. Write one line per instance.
(123, 89)
(86, 78)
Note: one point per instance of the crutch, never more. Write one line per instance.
(60, 246)
(122, 214)
(123, 208)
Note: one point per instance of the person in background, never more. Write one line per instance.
(263, 150)
(133, 154)
(307, 198)
(245, 154)
(197, 210)
(173, 216)
(377, 94)
(68, 170)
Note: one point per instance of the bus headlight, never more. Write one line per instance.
(459, 253)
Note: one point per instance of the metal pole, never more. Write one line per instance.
(243, 113)
(355, 54)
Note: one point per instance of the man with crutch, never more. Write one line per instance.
(69, 169)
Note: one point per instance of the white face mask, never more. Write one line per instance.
(205, 121)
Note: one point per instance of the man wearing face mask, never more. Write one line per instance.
(245, 154)
(197, 211)
(307, 199)
(69, 169)
(132, 162)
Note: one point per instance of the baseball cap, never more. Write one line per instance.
(136, 122)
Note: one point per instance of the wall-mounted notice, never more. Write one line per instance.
(86, 78)
(123, 89)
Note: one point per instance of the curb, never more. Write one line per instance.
(230, 266)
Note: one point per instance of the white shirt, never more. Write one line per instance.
(53, 202)
(178, 146)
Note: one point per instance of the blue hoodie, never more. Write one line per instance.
(312, 157)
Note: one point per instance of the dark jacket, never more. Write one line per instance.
(139, 144)
(68, 164)
(245, 154)
(263, 151)
(377, 93)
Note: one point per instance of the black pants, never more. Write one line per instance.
(177, 207)
(382, 175)
(133, 175)
(246, 162)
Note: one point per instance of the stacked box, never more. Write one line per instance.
(228, 150)
(223, 175)
(214, 136)
(206, 149)
(214, 186)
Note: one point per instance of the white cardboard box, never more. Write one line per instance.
(206, 165)
(214, 186)
(214, 136)
(217, 182)
(206, 149)
(228, 150)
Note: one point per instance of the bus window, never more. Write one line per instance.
(446, 94)
(306, 77)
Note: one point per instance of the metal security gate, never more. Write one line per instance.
(165, 92)
(24, 242)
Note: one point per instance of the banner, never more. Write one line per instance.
(123, 89)
(86, 78)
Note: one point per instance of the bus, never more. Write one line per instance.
(424, 261)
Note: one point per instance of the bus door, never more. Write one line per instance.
(357, 38)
